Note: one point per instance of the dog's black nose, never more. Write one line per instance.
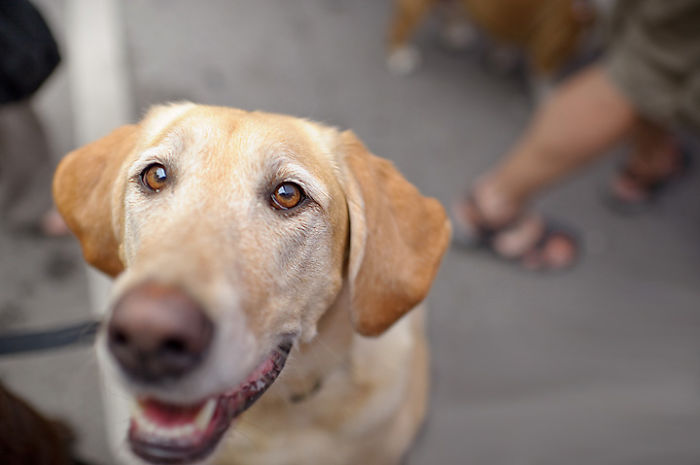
(158, 333)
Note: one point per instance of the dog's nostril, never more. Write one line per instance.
(174, 346)
(119, 338)
(158, 332)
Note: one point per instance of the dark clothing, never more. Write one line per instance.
(28, 51)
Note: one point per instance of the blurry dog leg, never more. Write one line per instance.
(502, 60)
(458, 32)
(27, 438)
(25, 166)
(403, 58)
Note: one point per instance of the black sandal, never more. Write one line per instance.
(651, 190)
(483, 238)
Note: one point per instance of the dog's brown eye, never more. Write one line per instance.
(154, 177)
(287, 195)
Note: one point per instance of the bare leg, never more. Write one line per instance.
(582, 118)
(25, 166)
(25, 172)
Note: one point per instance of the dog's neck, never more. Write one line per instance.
(329, 350)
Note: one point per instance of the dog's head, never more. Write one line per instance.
(231, 234)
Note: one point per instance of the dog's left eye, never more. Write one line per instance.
(287, 195)
(154, 177)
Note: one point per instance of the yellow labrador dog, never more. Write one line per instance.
(253, 249)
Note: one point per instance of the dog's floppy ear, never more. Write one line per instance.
(397, 239)
(83, 191)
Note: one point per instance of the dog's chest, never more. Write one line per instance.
(342, 422)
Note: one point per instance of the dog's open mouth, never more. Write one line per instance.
(164, 433)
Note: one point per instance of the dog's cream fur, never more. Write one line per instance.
(336, 274)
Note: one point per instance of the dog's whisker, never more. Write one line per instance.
(330, 351)
(235, 435)
(246, 423)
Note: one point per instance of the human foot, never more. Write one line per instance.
(530, 240)
(642, 179)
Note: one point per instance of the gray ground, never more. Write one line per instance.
(599, 365)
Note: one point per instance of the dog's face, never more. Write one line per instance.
(232, 233)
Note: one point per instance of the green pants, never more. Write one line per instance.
(654, 58)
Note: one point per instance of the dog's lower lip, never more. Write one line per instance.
(163, 433)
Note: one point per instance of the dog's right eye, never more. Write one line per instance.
(154, 177)
(287, 196)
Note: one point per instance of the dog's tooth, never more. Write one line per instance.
(187, 430)
(205, 415)
(153, 428)
(147, 426)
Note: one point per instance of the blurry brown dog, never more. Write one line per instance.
(249, 246)
(27, 437)
(547, 31)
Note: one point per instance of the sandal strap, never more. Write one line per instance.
(484, 232)
(645, 183)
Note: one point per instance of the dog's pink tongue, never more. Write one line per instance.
(168, 414)
(264, 368)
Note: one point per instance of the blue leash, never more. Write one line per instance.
(30, 341)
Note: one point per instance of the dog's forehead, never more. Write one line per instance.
(232, 137)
